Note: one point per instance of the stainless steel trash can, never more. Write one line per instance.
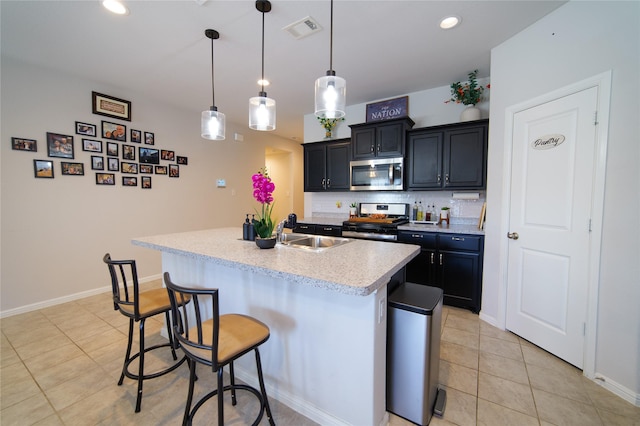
(413, 352)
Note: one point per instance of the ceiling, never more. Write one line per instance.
(383, 49)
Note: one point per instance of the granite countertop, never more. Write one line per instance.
(358, 268)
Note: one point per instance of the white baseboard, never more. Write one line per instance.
(618, 389)
(65, 299)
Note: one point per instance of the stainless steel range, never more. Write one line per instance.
(376, 221)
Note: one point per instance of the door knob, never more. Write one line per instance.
(513, 235)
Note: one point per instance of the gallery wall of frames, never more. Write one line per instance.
(115, 152)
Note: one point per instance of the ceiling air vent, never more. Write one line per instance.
(304, 27)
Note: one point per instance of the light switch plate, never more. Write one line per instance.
(221, 183)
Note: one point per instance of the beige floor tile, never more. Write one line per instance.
(27, 412)
(610, 418)
(40, 346)
(490, 414)
(565, 385)
(506, 368)
(500, 347)
(606, 400)
(459, 354)
(16, 385)
(8, 356)
(536, 356)
(491, 331)
(77, 388)
(463, 323)
(29, 336)
(458, 377)
(464, 338)
(52, 420)
(44, 361)
(107, 337)
(460, 410)
(562, 411)
(506, 393)
(60, 373)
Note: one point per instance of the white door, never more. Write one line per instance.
(550, 206)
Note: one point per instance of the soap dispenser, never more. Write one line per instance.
(245, 228)
(252, 230)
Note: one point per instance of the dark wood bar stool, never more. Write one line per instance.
(138, 306)
(216, 342)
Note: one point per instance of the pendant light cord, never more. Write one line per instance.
(213, 94)
(262, 81)
(331, 41)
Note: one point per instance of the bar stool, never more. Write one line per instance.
(216, 342)
(138, 306)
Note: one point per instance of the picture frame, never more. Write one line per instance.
(110, 107)
(146, 168)
(72, 169)
(97, 162)
(131, 168)
(112, 149)
(148, 155)
(113, 164)
(146, 182)
(388, 110)
(182, 160)
(174, 170)
(149, 138)
(167, 155)
(129, 152)
(43, 169)
(91, 145)
(86, 129)
(105, 179)
(22, 144)
(136, 136)
(114, 131)
(59, 145)
(129, 181)
(161, 170)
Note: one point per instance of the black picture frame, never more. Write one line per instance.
(146, 182)
(105, 179)
(167, 155)
(114, 131)
(129, 152)
(148, 155)
(129, 181)
(110, 107)
(136, 136)
(113, 164)
(388, 109)
(91, 145)
(43, 169)
(86, 129)
(71, 169)
(161, 170)
(149, 138)
(97, 162)
(130, 168)
(113, 149)
(146, 169)
(182, 160)
(22, 144)
(59, 145)
(174, 170)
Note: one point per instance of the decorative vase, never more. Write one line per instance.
(266, 243)
(327, 134)
(470, 113)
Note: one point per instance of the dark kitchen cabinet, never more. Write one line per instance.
(326, 166)
(453, 156)
(452, 262)
(318, 229)
(383, 139)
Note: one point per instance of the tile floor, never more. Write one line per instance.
(60, 365)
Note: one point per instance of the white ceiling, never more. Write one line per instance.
(382, 48)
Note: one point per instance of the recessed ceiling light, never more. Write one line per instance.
(263, 82)
(115, 6)
(449, 22)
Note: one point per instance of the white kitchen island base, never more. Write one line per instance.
(326, 356)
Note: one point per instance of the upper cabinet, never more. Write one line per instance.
(382, 139)
(450, 156)
(326, 166)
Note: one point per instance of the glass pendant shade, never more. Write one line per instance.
(331, 95)
(213, 125)
(262, 113)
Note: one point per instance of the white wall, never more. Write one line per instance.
(55, 231)
(578, 41)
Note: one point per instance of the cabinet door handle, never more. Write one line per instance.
(328, 183)
(416, 236)
(440, 259)
(378, 147)
(323, 184)
(372, 148)
(438, 178)
(446, 178)
(457, 239)
(432, 258)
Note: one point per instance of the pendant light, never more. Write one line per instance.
(262, 110)
(212, 124)
(330, 90)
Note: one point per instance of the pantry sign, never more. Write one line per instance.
(547, 142)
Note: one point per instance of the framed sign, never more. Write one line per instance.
(110, 106)
(389, 109)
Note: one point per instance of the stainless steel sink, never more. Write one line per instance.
(312, 242)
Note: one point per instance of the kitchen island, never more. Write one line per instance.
(326, 357)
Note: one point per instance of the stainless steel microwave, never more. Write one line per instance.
(380, 174)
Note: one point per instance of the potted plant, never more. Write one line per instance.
(353, 210)
(328, 124)
(470, 94)
(263, 189)
(444, 215)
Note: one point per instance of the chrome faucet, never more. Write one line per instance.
(289, 222)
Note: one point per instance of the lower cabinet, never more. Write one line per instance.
(452, 262)
(317, 229)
